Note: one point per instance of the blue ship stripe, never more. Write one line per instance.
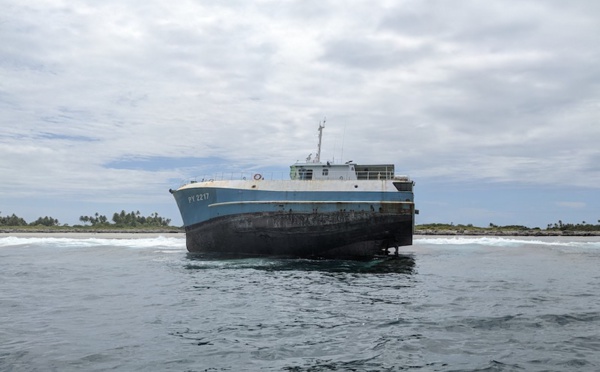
(306, 202)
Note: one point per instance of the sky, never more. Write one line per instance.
(492, 107)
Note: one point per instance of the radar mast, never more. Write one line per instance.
(318, 156)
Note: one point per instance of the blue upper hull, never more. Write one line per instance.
(203, 202)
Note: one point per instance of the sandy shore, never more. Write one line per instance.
(89, 235)
(132, 234)
(467, 232)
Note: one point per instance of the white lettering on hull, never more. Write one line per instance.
(198, 197)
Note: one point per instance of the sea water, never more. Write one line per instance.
(445, 304)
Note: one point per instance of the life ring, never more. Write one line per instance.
(258, 176)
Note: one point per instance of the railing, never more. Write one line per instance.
(375, 175)
(241, 176)
(281, 175)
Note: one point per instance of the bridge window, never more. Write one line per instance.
(404, 186)
(305, 174)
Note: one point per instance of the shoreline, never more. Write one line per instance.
(52, 230)
(467, 232)
(176, 232)
(91, 233)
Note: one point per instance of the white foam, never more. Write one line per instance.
(143, 243)
(511, 241)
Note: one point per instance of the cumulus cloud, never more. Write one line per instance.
(496, 91)
(570, 204)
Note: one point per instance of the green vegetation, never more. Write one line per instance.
(122, 220)
(45, 221)
(493, 228)
(471, 227)
(12, 221)
(135, 221)
(583, 226)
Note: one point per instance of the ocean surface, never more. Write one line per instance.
(446, 304)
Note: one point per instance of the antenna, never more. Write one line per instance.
(321, 126)
(334, 150)
(343, 139)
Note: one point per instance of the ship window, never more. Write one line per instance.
(403, 186)
(305, 174)
(325, 171)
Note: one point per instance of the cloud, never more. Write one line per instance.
(572, 205)
(479, 91)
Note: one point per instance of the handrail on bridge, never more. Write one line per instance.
(281, 175)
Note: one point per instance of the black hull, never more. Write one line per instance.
(310, 235)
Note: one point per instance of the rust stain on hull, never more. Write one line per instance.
(340, 234)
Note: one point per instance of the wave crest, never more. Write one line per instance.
(125, 242)
(592, 243)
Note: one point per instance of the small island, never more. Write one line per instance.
(135, 222)
(122, 222)
(555, 229)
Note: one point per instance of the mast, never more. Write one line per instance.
(318, 156)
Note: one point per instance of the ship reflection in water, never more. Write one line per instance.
(400, 264)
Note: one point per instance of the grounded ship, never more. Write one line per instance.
(325, 210)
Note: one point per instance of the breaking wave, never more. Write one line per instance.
(154, 242)
(563, 244)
